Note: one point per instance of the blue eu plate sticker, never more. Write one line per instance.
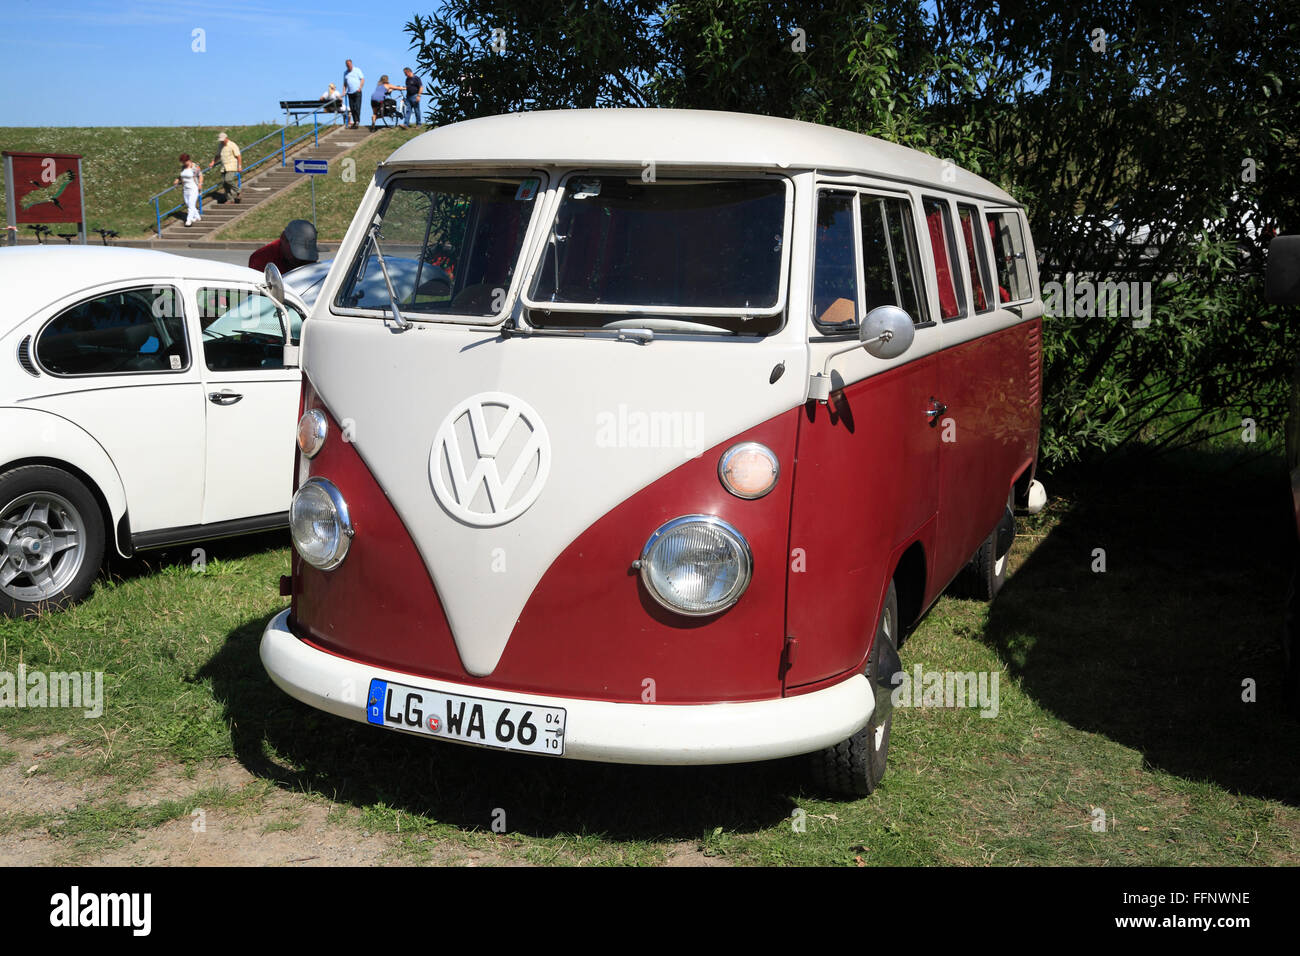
(375, 701)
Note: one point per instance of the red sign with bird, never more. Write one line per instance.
(46, 186)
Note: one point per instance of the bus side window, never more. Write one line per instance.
(890, 261)
(1009, 256)
(944, 246)
(835, 270)
(981, 285)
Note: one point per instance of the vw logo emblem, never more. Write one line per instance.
(490, 459)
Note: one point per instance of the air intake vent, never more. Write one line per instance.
(25, 356)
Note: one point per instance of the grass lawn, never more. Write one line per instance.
(336, 198)
(124, 166)
(1119, 691)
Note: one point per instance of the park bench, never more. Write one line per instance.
(297, 108)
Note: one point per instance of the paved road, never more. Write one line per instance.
(237, 257)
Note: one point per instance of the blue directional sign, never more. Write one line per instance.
(313, 167)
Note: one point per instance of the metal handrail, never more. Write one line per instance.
(159, 214)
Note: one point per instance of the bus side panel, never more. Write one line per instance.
(989, 434)
(866, 481)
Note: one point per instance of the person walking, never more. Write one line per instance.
(232, 164)
(191, 182)
(353, 81)
(414, 87)
(377, 99)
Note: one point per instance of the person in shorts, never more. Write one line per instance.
(377, 98)
(232, 164)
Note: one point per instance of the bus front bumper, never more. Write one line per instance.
(597, 730)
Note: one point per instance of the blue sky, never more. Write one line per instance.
(131, 62)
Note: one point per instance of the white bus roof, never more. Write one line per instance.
(619, 137)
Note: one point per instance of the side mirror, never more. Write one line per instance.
(274, 283)
(1282, 273)
(887, 332)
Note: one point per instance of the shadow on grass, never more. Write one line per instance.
(1153, 652)
(145, 563)
(358, 765)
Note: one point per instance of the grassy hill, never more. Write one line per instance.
(124, 166)
(336, 200)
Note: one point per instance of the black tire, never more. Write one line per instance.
(855, 767)
(984, 575)
(51, 540)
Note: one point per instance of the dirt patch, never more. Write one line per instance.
(252, 824)
(24, 788)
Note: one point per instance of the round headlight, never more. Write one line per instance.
(319, 524)
(748, 470)
(696, 565)
(312, 429)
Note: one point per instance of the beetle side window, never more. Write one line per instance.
(241, 330)
(981, 285)
(125, 331)
(835, 271)
(946, 268)
(1009, 256)
(890, 262)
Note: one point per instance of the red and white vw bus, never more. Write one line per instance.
(643, 436)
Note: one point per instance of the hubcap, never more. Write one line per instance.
(42, 546)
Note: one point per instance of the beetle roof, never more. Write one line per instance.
(619, 137)
(34, 276)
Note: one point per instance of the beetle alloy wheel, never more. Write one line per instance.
(43, 542)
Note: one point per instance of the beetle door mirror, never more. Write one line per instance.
(274, 283)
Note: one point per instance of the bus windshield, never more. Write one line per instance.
(708, 249)
(451, 246)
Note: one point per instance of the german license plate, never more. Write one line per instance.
(504, 724)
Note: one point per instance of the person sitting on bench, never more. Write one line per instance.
(332, 99)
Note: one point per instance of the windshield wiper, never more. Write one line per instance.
(401, 320)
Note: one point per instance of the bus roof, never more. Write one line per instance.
(668, 138)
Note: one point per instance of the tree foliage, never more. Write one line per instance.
(1150, 145)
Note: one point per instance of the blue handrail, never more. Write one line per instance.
(159, 214)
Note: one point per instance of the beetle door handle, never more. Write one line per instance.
(936, 409)
(225, 397)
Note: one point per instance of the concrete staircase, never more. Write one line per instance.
(268, 181)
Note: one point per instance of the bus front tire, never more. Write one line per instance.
(855, 767)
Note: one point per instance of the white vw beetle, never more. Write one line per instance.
(146, 400)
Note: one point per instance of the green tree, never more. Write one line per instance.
(1149, 145)
(485, 57)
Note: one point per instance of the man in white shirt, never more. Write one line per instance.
(353, 81)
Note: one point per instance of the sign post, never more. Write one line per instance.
(312, 167)
(41, 188)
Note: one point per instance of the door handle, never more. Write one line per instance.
(226, 397)
(936, 409)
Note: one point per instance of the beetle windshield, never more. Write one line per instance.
(450, 244)
(709, 249)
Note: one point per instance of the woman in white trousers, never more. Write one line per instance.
(191, 182)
